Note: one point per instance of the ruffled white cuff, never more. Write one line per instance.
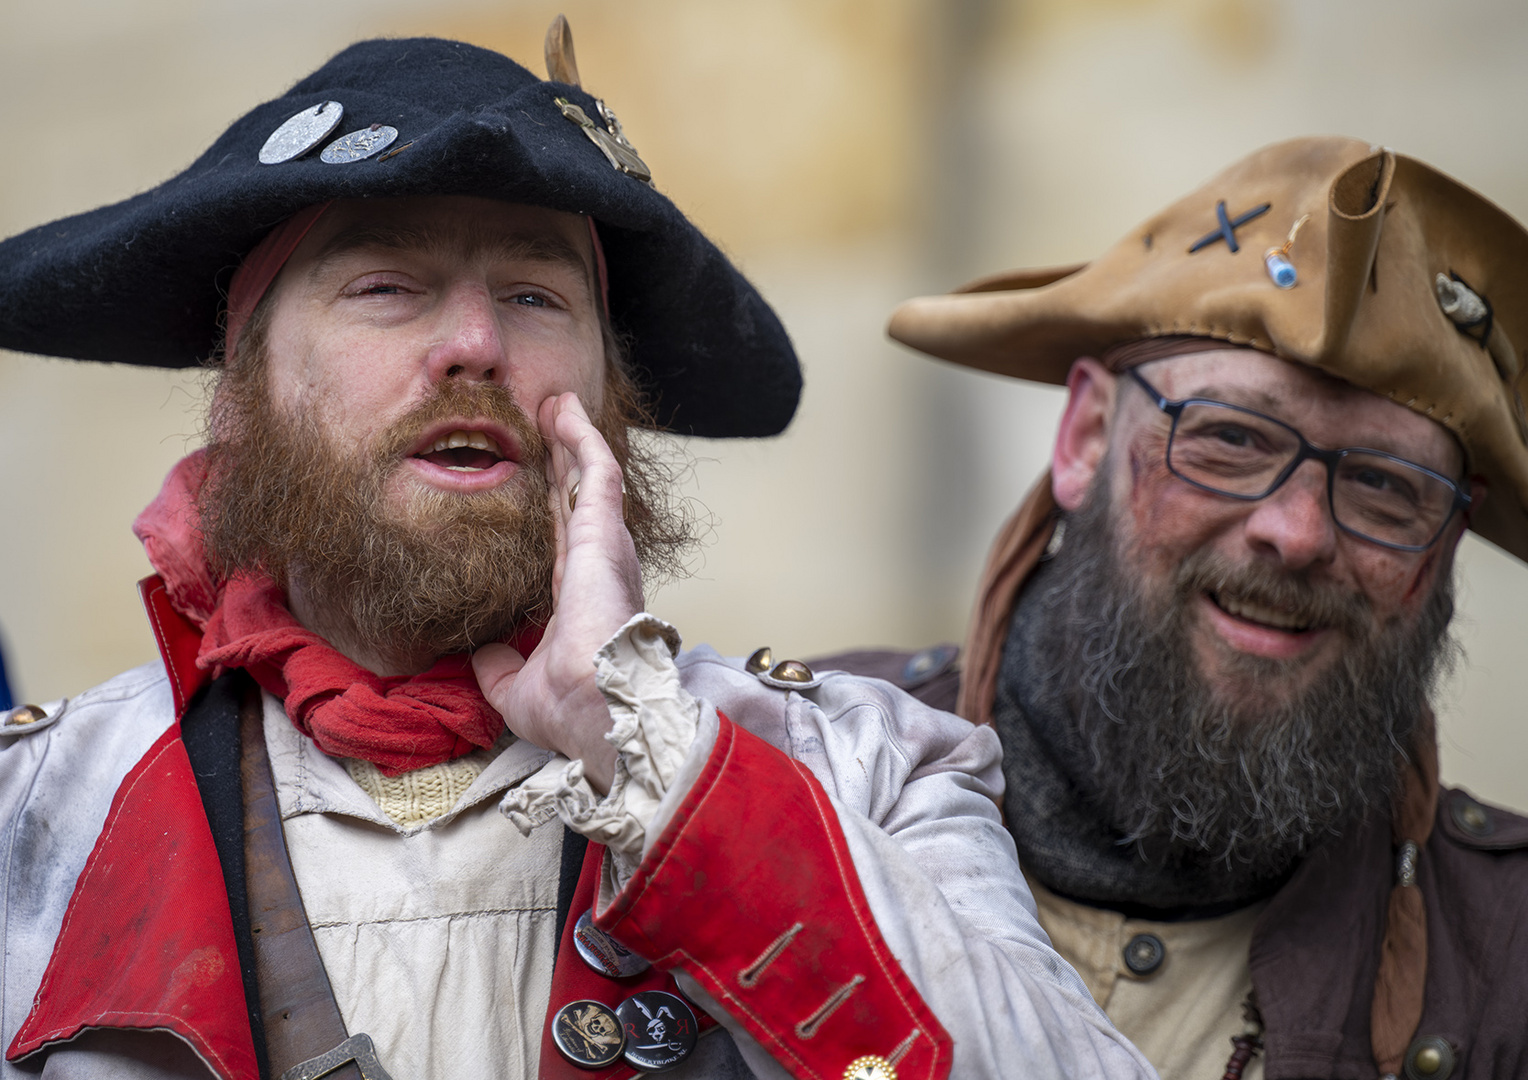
(654, 733)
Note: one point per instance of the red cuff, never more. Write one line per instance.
(751, 890)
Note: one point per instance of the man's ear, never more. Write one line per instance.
(1083, 437)
(1477, 498)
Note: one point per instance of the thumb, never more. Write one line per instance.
(496, 666)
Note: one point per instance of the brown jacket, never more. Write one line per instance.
(1317, 948)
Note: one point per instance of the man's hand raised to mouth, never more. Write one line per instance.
(550, 698)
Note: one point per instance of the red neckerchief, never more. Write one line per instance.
(398, 723)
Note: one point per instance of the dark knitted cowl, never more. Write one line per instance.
(1061, 838)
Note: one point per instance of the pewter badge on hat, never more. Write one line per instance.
(1467, 310)
(359, 145)
(302, 133)
(611, 139)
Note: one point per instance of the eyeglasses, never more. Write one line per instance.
(1243, 454)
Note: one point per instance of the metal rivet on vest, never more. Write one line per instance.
(1144, 953)
(359, 145)
(791, 671)
(1470, 816)
(302, 133)
(604, 953)
(1429, 1058)
(26, 714)
(760, 661)
(588, 1034)
(927, 663)
(660, 1030)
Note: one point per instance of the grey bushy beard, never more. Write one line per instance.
(443, 572)
(1185, 771)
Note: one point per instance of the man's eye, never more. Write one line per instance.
(529, 299)
(1378, 480)
(1233, 436)
(381, 290)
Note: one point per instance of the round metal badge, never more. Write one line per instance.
(604, 953)
(660, 1030)
(302, 133)
(870, 1067)
(359, 145)
(588, 1034)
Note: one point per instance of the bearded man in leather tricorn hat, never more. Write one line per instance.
(1208, 637)
(417, 788)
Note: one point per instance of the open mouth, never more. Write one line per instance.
(1253, 612)
(463, 450)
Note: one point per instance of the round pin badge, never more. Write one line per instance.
(660, 1030)
(604, 953)
(302, 133)
(359, 145)
(588, 1034)
(870, 1067)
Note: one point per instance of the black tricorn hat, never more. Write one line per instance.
(143, 281)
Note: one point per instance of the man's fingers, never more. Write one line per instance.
(581, 467)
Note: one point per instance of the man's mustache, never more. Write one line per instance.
(1313, 604)
(456, 398)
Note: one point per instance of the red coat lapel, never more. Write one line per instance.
(147, 940)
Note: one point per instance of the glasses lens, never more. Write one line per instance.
(1389, 500)
(1230, 450)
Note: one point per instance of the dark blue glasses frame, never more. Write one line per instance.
(1329, 458)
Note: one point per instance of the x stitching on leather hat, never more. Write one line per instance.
(1325, 251)
(143, 281)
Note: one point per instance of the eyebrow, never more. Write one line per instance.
(459, 239)
(1264, 402)
(1246, 397)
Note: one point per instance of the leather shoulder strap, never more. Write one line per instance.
(301, 1019)
(210, 734)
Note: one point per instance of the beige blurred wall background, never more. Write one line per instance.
(848, 153)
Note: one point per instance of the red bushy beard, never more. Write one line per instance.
(407, 579)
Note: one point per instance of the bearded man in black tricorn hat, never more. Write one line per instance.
(305, 842)
(1209, 635)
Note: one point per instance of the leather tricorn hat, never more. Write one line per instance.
(143, 281)
(1404, 282)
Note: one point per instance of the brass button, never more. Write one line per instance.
(1144, 953)
(1429, 1058)
(759, 661)
(26, 714)
(791, 671)
(1470, 816)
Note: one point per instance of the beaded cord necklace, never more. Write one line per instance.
(1249, 1043)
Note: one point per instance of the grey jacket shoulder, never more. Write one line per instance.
(864, 738)
(58, 777)
(931, 675)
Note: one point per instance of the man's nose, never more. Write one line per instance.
(469, 343)
(1295, 522)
